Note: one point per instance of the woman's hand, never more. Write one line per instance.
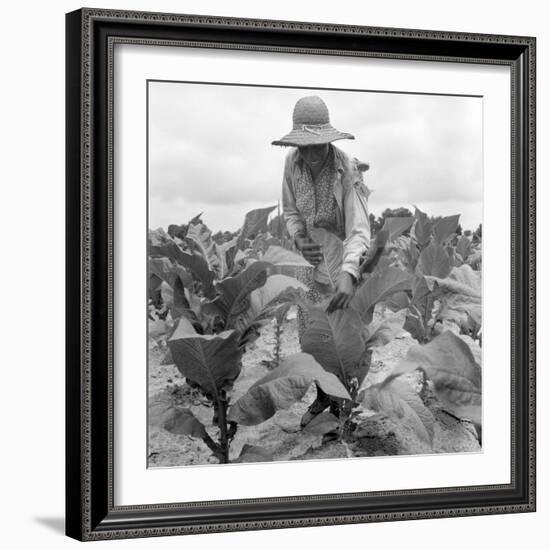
(344, 292)
(309, 249)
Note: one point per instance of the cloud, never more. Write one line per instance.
(210, 149)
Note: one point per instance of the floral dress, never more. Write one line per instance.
(317, 205)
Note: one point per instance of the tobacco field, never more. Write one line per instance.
(229, 379)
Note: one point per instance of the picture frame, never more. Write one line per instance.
(91, 511)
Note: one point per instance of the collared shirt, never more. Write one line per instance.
(350, 195)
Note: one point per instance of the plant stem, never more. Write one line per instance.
(222, 424)
(424, 384)
(278, 331)
(213, 446)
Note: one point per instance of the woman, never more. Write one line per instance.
(323, 187)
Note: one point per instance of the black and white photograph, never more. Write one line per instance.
(314, 279)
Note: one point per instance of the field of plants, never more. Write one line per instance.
(229, 380)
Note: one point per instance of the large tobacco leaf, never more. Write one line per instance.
(282, 387)
(233, 298)
(398, 301)
(378, 287)
(398, 401)
(210, 360)
(463, 279)
(332, 248)
(397, 226)
(284, 261)
(336, 342)
(449, 363)
(255, 222)
(169, 272)
(445, 228)
(279, 256)
(434, 261)
(461, 295)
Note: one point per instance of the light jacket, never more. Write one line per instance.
(351, 197)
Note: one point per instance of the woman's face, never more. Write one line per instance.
(314, 154)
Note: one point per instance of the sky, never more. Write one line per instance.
(210, 150)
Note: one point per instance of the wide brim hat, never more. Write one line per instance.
(311, 125)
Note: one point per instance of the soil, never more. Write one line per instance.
(281, 436)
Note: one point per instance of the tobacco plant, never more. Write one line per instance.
(443, 314)
(215, 315)
(446, 291)
(342, 342)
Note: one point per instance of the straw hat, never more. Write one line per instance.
(311, 125)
